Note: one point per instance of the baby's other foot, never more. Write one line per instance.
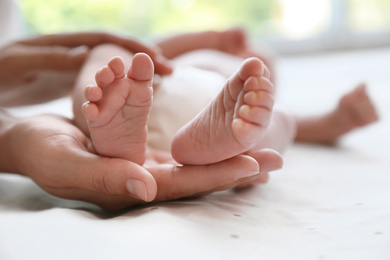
(118, 108)
(234, 122)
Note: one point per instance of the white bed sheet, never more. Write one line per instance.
(326, 203)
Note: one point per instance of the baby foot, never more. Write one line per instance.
(118, 108)
(234, 122)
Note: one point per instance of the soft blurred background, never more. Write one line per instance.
(327, 47)
(326, 202)
(290, 26)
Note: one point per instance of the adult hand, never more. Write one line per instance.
(59, 158)
(93, 39)
(235, 41)
(36, 65)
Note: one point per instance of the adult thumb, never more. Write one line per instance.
(104, 177)
(122, 177)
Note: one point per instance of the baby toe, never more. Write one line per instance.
(104, 76)
(258, 83)
(256, 115)
(93, 93)
(90, 111)
(251, 67)
(259, 98)
(117, 66)
(142, 68)
(244, 131)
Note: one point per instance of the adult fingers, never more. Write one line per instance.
(102, 181)
(89, 39)
(119, 177)
(162, 65)
(105, 185)
(88, 173)
(28, 59)
(56, 58)
(185, 181)
(269, 160)
(262, 179)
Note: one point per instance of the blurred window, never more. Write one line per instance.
(372, 15)
(289, 25)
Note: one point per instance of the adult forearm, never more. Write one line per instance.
(174, 46)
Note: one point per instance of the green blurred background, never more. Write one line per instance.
(289, 26)
(263, 18)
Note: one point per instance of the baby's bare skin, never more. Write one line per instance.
(237, 121)
(233, 123)
(118, 108)
(355, 109)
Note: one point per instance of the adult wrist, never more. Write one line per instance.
(8, 160)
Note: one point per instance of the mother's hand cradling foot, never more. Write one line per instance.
(58, 157)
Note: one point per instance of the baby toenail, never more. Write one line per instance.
(245, 110)
(255, 95)
(263, 67)
(252, 96)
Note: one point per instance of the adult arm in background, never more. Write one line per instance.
(58, 157)
(30, 68)
(234, 42)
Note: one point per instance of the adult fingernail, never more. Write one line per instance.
(80, 50)
(247, 174)
(78, 55)
(137, 188)
(163, 60)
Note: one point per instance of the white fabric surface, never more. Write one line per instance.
(326, 203)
